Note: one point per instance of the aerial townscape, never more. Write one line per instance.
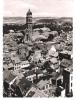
(37, 57)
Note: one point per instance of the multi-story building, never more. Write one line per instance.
(65, 55)
(67, 81)
(65, 63)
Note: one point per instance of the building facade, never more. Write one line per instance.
(29, 25)
(67, 81)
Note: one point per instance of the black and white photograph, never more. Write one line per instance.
(38, 48)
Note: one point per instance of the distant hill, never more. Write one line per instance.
(22, 20)
(13, 20)
(58, 20)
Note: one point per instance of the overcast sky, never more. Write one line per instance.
(39, 8)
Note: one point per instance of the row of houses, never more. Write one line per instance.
(56, 60)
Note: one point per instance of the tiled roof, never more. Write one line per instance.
(19, 34)
(39, 93)
(55, 66)
(66, 63)
(32, 72)
(10, 65)
(55, 75)
(5, 66)
(37, 37)
(16, 59)
(29, 73)
(23, 85)
(35, 92)
(66, 52)
(42, 83)
(45, 29)
(70, 69)
(53, 60)
(36, 29)
(24, 62)
(54, 32)
(38, 71)
(8, 76)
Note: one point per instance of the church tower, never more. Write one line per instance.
(29, 25)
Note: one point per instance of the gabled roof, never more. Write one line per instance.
(45, 29)
(16, 59)
(5, 66)
(37, 29)
(24, 85)
(38, 71)
(32, 72)
(29, 73)
(66, 63)
(24, 62)
(8, 76)
(10, 65)
(55, 75)
(35, 92)
(38, 37)
(31, 93)
(54, 32)
(42, 83)
(39, 93)
(53, 60)
(70, 69)
(53, 52)
(11, 31)
(19, 34)
(21, 45)
(66, 52)
(53, 49)
(54, 66)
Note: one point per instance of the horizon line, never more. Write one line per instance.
(42, 16)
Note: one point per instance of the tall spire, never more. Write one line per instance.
(29, 12)
(29, 25)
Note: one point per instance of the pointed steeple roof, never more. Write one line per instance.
(29, 12)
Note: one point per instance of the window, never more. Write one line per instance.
(71, 77)
(53, 82)
(49, 91)
(46, 86)
(45, 92)
(71, 84)
(43, 88)
(27, 36)
(50, 85)
(29, 78)
(71, 90)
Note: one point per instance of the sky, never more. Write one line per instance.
(39, 8)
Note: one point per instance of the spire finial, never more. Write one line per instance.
(29, 12)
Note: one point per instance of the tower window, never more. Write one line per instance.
(71, 77)
(27, 36)
(71, 84)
